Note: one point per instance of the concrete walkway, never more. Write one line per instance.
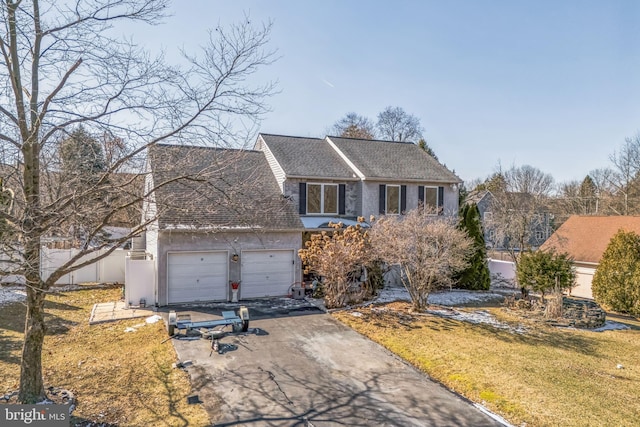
(111, 311)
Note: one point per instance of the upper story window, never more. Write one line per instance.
(432, 198)
(393, 199)
(322, 199)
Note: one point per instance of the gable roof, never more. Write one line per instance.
(585, 238)
(212, 188)
(307, 157)
(388, 160)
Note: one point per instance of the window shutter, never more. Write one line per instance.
(421, 195)
(382, 201)
(403, 198)
(302, 208)
(341, 199)
(440, 200)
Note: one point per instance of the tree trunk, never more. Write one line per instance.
(31, 382)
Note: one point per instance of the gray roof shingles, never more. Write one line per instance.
(211, 188)
(393, 160)
(307, 157)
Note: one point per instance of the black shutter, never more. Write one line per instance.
(403, 198)
(382, 201)
(421, 195)
(302, 208)
(341, 196)
(440, 200)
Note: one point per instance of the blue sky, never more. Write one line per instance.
(553, 84)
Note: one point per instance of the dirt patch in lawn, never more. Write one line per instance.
(117, 377)
(545, 376)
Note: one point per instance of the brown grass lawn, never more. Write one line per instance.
(545, 377)
(117, 377)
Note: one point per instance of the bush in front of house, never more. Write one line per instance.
(545, 271)
(616, 283)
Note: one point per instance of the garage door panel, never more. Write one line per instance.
(266, 273)
(197, 276)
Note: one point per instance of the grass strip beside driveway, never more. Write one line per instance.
(118, 377)
(544, 377)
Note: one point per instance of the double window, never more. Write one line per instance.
(322, 199)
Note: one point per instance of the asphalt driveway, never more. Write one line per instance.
(303, 368)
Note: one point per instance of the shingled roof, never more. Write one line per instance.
(211, 188)
(307, 157)
(585, 238)
(386, 160)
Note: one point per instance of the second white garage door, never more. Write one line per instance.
(266, 273)
(197, 276)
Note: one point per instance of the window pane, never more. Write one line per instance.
(313, 198)
(431, 200)
(393, 199)
(331, 199)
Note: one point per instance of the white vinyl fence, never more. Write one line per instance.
(110, 269)
(503, 272)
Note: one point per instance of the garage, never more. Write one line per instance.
(584, 277)
(197, 276)
(266, 273)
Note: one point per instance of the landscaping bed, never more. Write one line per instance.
(117, 377)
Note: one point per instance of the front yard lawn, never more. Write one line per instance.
(118, 377)
(544, 377)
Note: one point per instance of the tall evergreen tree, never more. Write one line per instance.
(476, 275)
(423, 144)
(616, 283)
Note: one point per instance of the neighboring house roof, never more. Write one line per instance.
(307, 157)
(388, 160)
(476, 196)
(585, 238)
(210, 188)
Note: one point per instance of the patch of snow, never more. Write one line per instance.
(153, 319)
(448, 298)
(477, 317)
(356, 314)
(130, 330)
(610, 325)
(496, 417)
(12, 294)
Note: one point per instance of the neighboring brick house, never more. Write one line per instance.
(585, 239)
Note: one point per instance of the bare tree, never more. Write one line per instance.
(63, 67)
(624, 176)
(428, 249)
(353, 125)
(529, 180)
(520, 213)
(394, 124)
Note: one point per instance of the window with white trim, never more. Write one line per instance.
(431, 205)
(322, 199)
(393, 199)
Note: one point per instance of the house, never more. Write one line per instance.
(240, 215)
(226, 222)
(585, 239)
(540, 221)
(340, 179)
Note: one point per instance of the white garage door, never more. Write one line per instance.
(266, 273)
(584, 276)
(197, 276)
